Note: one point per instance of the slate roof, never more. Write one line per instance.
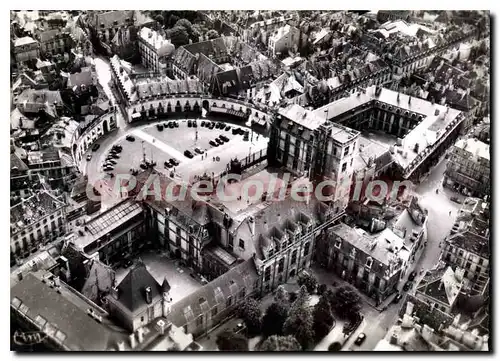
(230, 283)
(132, 289)
(64, 312)
(108, 18)
(441, 284)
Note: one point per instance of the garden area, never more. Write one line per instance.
(313, 318)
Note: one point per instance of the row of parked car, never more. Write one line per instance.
(190, 154)
(171, 125)
(172, 162)
(110, 161)
(221, 139)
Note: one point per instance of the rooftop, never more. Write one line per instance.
(158, 42)
(32, 209)
(477, 148)
(442, 284)
(62, 314)
(24, 41)
(304, 117)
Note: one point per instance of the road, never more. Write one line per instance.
(439, 225)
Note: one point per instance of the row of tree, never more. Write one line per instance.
(290, 323)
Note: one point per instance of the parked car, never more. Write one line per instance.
(361, 338)
(412, 276)
(167, 164)
(202, 123)
(89, 157)
(108, 168)
(397, 298)
(127, 263)
(190, 124)
(174, 161)
(211, 126)
(407, 286)
(224, 138)
(198, 150)
(218, 141)
(130, 138)
(228, 128)
(112, 161)
(188, 154)
(159, 127)
(116, 156)
(171, 125)
(176, 124)
(95, 147)
(213, 144)
(195, 124)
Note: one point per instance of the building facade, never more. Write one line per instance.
(468, 167)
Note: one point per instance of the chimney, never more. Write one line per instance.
(20, 276)
(427, 332)
(57, 282)
(114, 292)
(132, 341)
(140, 335)
(252, 225)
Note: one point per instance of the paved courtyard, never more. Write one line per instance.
(159, 265)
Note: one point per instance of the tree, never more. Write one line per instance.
(346, 302)
(160, 19)
(178, 35)
(274, 319)
(322, 289)
(299, 324)
(308, 280)
(281, 295)
(212, 34)
(280, 343)
(228, 341)
(323, 318)
(250, 312)
(335, 346)
(186, 24)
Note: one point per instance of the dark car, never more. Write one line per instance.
(188, 154)
(397, 298)
(130, 138)
(118, 148)
(218, 141)
(190, 124)
(112, 161)
(176, 124)
(211, 126)
(202, 123)
(228, 128)
(361, 338)
(116, 156)
(407, 286)
(224, 138)
(198, 150)
(195, 124)
(213, 144)
(171, 125)
(159, 127)
(127, 263)
(412, 276)
(95, 147)
(167, 164)
(174, 161)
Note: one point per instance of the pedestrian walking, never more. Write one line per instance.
(449, 213)
(213, 159)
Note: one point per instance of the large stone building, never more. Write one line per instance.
(468, 167)
(468, 245)
(26, 51)
(35, 221)
(154, 49)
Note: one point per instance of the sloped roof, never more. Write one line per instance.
(132, 289)
(441, 284)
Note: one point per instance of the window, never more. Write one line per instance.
(306, 249)
(344, 167)
(40, 321)
(214, 311)
(142, 318)
(61, 336)
(338, 243)
(281, 265)
(294, 257)
(199, 321)
(242, 244)
(267, 274)
(229, 301)
(369, 262)
(243, 292)
(16, 302)
(480, 261)
(346, 151)
(467, 265)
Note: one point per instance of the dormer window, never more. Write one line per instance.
(338, 243)
(369, 262)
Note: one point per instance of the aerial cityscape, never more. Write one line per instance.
(257, 180)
